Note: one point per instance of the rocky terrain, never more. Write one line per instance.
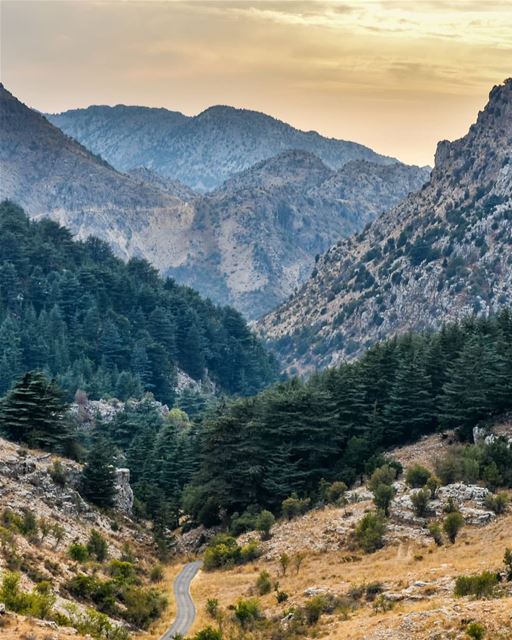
(201, 151)
(45, 487)
(409, 584)
(249, 243)
(443, 253)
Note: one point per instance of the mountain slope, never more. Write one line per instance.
(442, 253)
(201, 151)
(249, 243)
(261, 229)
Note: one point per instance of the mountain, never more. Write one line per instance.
(261, 230)
(249, 243)
(442, 253)
(201, 151)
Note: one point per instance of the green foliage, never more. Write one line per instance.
(224, 551)
(369, 532)
(313, 609)
(143, 606)
(208, 633)
(78, 552)
(497, 503)
(98, 475)
(435, 531)
(97, 546)
(452, 525)
(33, 412)
(417, 476)
(124, 572)
(384, 475)
(383, 495)
(156, 573)
(293, 506)
(247, 611)
(420, 500)
(212, 608)
(264, 583)
(58, 473)
(335, 492)
(507, 560)
(480, 586)
(284, 561)
(37, 603)
(264, 523)
(476, 631)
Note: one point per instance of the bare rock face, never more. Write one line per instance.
(123, 499)
(440, 255)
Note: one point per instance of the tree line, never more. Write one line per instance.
(93, 322)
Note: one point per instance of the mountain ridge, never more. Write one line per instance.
(440, 254)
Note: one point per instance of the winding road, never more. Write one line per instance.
(185, 609)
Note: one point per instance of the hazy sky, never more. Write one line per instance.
(396, 75)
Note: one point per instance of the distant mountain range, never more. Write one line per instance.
(201, 151)
(249, 243)
(443, 253)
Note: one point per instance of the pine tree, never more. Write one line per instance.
(33, 412)
(99, 475)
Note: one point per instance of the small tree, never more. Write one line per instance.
(284, 561)
(98, 476)
(383, 495)
(370, 531)
(264, 583)
(383, 475)
(335, 492)
(452, 525)
(298, 559)
(417, 476)
(97, 546)
(420, 501)
(435, 531)
(264, 524)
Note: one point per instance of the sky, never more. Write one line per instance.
(396, 75)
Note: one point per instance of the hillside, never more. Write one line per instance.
(262, 228)
(441, 254)
(44, 521)
(202, 151)
(108, 327)
(249, 243)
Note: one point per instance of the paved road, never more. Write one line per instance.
(185, 609)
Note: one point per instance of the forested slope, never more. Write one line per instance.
(108, 327)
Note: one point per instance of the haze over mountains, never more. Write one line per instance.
(249, 243)
(202, 151)
(443, 253)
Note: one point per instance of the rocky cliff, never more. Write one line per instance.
(443, 253)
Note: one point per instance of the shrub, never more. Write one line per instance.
(37, 603)
(370, 531)
(208, 633)
(249, 552)
(507, 559)
(58, 473)
(143, 606)
(122, 572)
(247, 611)
(335, 492)
(497, 503)
(281, 596)
(224, 551)
(475, 630)
(212, 607)
(241, 524)
(97, 546)
(157, 573)
(264, 583)
(284, 561)
(417, 476)
(383, 495)
(78, 552)
(433, 484)
(452, 525)
(480, 586)
(373, 589)
(293, 506)
(435, 531)
(264, 524)
(314, 608)
(383, 475)
(420, 501)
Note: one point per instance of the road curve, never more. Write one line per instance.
(185, 609)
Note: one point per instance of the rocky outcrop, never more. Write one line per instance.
(123, 499)
(440, 255)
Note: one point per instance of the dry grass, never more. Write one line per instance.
(13, 627)
(397, 567)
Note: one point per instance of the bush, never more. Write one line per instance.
(157, 573)
(58, 473)
(122, 572)
(37, 604)
(383, 495)
(475, 630)
(264, 524)
(417, 476)
(293, 506)
(224, 551)
(335, 492)
(435, 531)
(480, 586)
(281, 596)
(212, 607)
(383, 475)
(97, 546)
(241, 524)
(78, 552)
(264, 583)
(143, 606)
(420, 500)
(452, 525)
(208, 633)
(497, 503)
(370, 531)
(314, 608)
(507, 560)
(247, 611)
